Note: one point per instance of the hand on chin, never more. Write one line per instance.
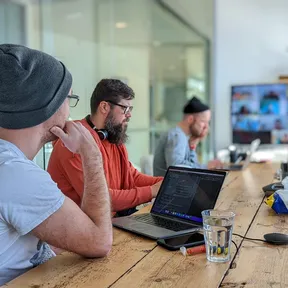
(203, 134)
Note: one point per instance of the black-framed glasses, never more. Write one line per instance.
(73, 100)
(126, 109)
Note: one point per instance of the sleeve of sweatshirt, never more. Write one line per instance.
(128, 198)
(124, 199)
(121, 198)
(175, 151)
(72, 168)
(139, 194)
(142, 180)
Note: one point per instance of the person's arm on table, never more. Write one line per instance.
(86, 231)
(129, 198)
(121, 199)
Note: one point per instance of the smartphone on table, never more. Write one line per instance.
(187, 240)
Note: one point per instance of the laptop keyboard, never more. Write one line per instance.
(161, 222)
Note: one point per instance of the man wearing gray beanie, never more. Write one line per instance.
(35, 90)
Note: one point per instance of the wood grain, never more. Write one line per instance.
(138, 262)
(259, 264)
(161, 268)
(71, 270)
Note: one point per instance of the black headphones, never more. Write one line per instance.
(102, 133)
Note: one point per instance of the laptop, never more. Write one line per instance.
(183, 195)
(237, 166)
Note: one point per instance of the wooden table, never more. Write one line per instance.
(139, 262)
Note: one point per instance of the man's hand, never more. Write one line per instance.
(204, 134)
(87, 232)
(75, 137)
(215, 164)
(193, 142)
(155, 188)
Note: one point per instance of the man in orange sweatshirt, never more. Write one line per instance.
(111, 110)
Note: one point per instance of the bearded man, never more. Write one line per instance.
(111, 110)
(178, 146)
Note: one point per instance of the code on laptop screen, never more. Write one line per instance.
(186, 194)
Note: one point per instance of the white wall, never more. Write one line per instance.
(250, 47)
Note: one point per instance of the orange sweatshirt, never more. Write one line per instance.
(128, 188)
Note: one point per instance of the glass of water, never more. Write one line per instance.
(218, 227)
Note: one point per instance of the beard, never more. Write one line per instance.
(58, 119)
(194, 131)
(48, 137)
(116, 132)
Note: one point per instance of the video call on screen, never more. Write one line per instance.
(184, 190)
(260, 111)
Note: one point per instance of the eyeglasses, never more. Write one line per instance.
(73, 100)
(126, 109)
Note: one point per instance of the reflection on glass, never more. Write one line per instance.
(163, 60)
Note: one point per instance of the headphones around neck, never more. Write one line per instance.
(102, 133)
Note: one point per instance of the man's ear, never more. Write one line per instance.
(190, 119)
(104, 107)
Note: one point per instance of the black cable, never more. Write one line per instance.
(247, 238)
(235, 245)
(238, 247)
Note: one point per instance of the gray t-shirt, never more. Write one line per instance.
(173, 150)
(28, 196)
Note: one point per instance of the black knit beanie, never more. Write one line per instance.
(195, 106)
(33, 85)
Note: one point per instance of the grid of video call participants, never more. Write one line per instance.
(260, 111)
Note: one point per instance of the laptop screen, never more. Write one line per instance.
(185, 193)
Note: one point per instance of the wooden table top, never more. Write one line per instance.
(138, 262)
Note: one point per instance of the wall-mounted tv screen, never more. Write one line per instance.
(259, 111)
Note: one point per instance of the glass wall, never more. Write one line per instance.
(12, 17)
(154, 52)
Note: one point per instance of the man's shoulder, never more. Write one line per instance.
(11, 160)
(21, 177)
(93, 132)
(22, 174)
(61, 157)
(60, 153)
(122, 148)
(176, 131)
(17, 168)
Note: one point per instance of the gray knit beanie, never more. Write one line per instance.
(33, 85)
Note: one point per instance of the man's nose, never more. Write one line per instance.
(129, 114)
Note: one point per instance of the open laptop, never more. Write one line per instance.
(183, 195)
(241, 166)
